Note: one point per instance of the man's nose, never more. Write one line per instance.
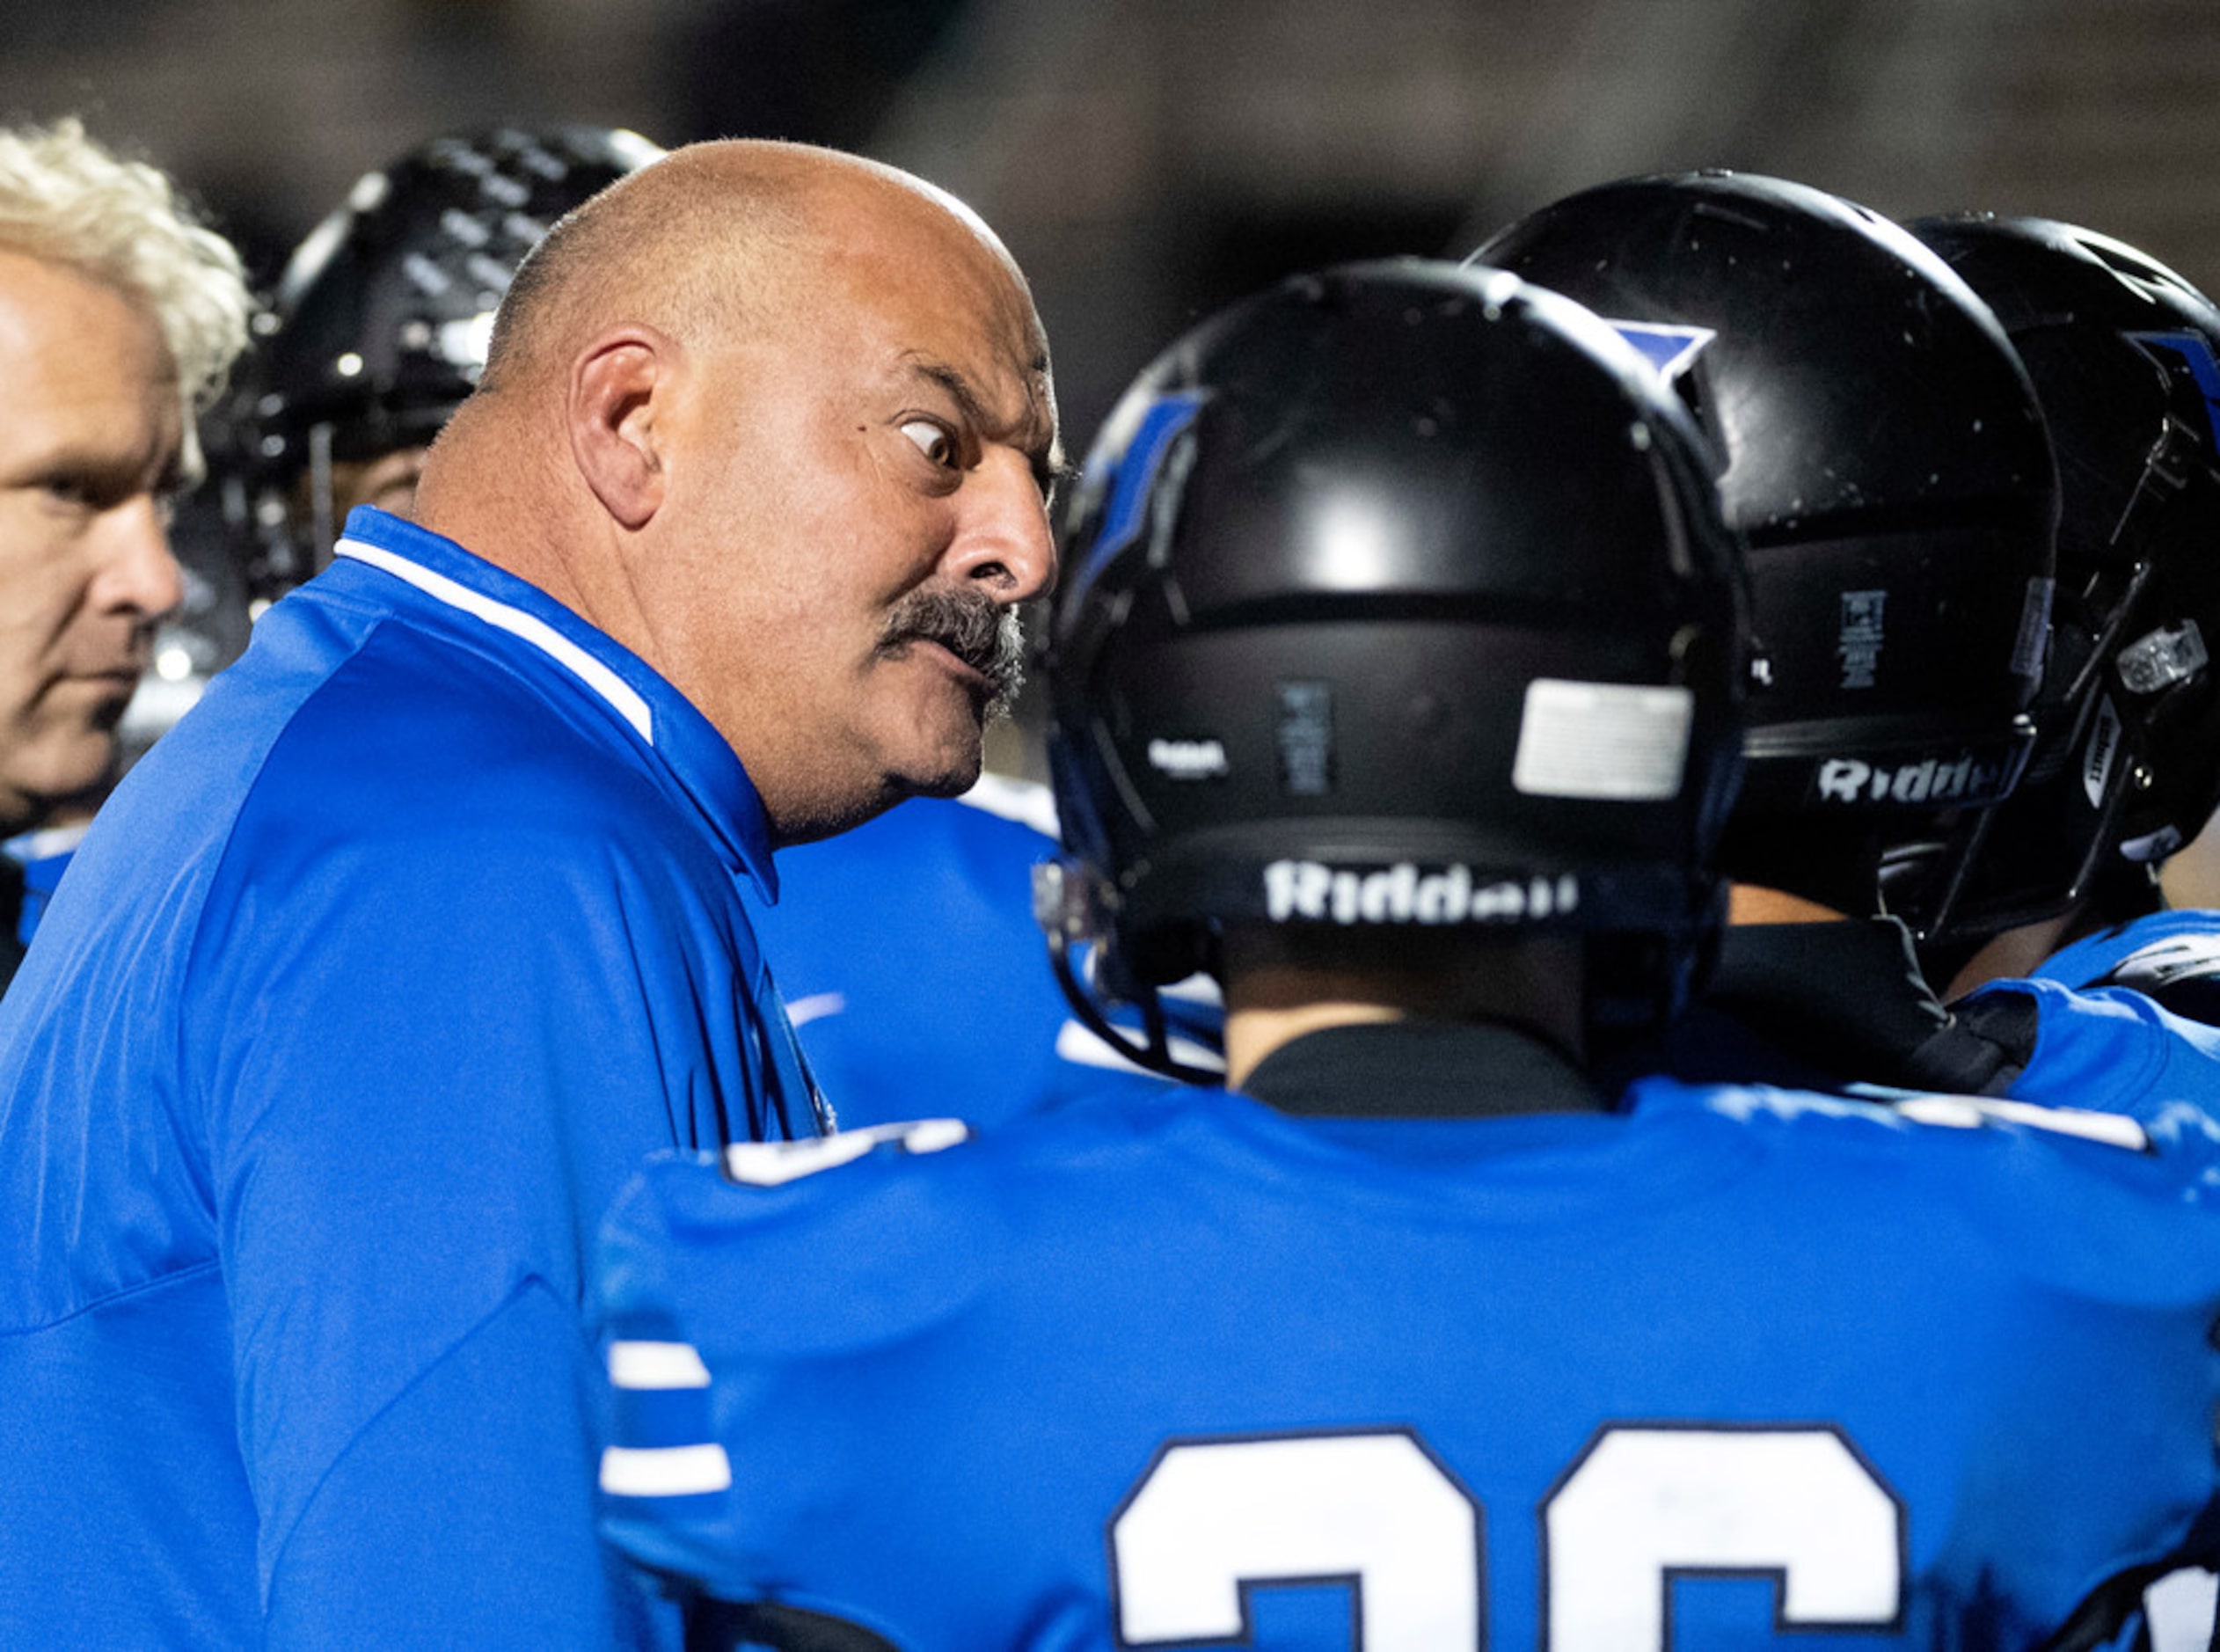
(138, 574)
(1005, 540)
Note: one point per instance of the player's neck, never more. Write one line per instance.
(1253, 1031)
(1274, 994)
(1754, 904)
(2015, 954)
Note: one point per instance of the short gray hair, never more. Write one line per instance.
(67, 200)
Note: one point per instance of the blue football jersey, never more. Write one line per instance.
(912, 967)
(1729, 1368)
(2110, 1047)
(2172, 956)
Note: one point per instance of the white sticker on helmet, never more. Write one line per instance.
(1864, 633)
(1623, 741)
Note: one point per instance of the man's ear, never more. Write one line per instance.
(618, 388)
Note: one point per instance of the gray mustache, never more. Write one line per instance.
(971, 625)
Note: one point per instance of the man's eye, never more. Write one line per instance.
(933, 440)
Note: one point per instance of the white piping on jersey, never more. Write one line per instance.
(815, 1007)
(665, 1471)
(543, 636)
(656, 1365)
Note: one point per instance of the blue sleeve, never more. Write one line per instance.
(456, 1516)
(431, 1059)
(2092, 960)
(2114, 1050)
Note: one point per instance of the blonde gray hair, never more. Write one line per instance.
(67, 200)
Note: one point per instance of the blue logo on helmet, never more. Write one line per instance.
(2192, 349)
(1670, 349)
(1136, 471)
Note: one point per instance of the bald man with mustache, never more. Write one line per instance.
(382, 973)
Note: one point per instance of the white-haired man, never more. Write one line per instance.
(119, 314)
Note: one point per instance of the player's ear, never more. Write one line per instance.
(618, 384)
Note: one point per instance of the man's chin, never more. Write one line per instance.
(33, 795)
(949, 779)
(946, 748)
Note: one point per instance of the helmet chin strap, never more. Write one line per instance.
(1059, 905)
(1153, 1049)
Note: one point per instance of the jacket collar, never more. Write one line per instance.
(674, 736)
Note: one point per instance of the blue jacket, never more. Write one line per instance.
(365, 993)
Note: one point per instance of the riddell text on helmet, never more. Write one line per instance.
(1853, 780)
(1299, 890)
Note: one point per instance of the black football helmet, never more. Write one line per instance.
(2126, 357)
(379, 326)
(1396, 595)
(1886, 463)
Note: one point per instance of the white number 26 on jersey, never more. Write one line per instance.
(1378, 1511)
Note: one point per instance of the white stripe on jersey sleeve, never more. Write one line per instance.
(543, 636)
(656, 1365)
(665, 1471)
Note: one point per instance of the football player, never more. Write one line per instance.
(1396, 681)
(1884, 455)
(378, 329)
(2126, 356)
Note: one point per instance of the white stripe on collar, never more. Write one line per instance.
(543, 636)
